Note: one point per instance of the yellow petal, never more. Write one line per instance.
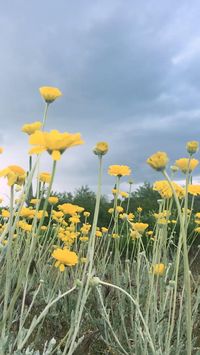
(56, 155)
(62, 267)
(37, 150)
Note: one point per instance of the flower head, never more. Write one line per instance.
(30, 128)
(158, 161)
(49, 93)
(119, 170)
(53, 200)
(140, 227)
(64, 258)
(54, 142)
(165, 190)
(101, 148)
(45, 177)
(158, 269)
(185, 164)
(15, 175)
(192, 147)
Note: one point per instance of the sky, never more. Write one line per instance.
(129, 73)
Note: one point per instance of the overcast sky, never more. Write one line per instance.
(129, 72)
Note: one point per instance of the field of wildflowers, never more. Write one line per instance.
(71, 287)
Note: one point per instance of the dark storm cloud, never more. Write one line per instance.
(129, 72)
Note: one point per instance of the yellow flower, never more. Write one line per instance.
(119, 209)
(98, 234)
(128, 217)
(123, 194)
(24, 226)
(84, 239)
(45, 177)
(74, 219)
(158, 269)
(53, 200)
(149, 233)
(49, 93)
(139, 226)
(101, 148)
(86, 214)
(197, 230)
(165, 190)
(158, 161)
(111, 210)
(192, 147)
(64, 258)
(115, 236)
(30, 128)
(5, 213)
(197, 215)
(134, 234)
(139, 209)
(119, 170)
(54, 142)
(34, 201)
(1, 150)
(184, 165)
(15, 174)
(27, 213)
(194, 190)
(104, 229)
(69, 208)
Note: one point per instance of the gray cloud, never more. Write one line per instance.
(129, 72)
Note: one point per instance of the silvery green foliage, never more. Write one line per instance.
(48, 348)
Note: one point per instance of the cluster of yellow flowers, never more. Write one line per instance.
(165, 190)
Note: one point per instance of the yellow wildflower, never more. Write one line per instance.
(64, 258)
(134, 234)
(165, 190)
(86, 214)
(139, 226)
(123, 194)
(24, 226)
(74, 219)
(54, 142)
(27, 213)
(111, 210)
(194, 190)
(119, 170)
(115, 236)
(139, 209)
(5, 213)
(101, 148)
(104, 229)
(15, 174)
(30, 128)
(158, 269)
(69, 208)
(119, 209)
(184, 164)
(45, 177)
(197, 230)
(49, 93)
(84, 239)
(53, 200)
(98, 233)
(192, 147)
(34, 201)
(158, 161)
